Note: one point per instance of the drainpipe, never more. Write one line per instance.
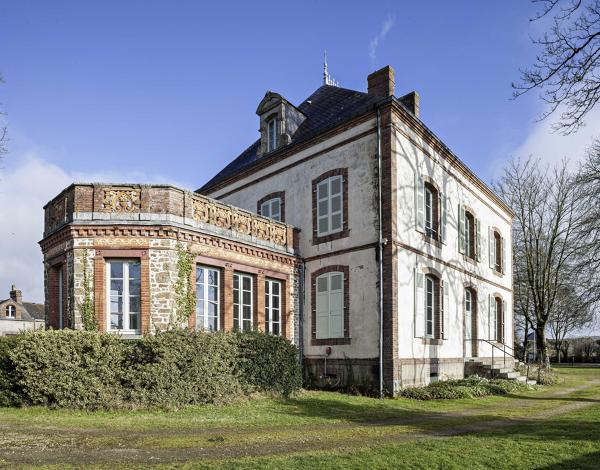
(380, 252)
(301, 313)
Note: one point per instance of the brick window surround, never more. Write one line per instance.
(52, 314)
(345, 232)
(268, 197)
(100, 285)
(227, 270)
(313, 306)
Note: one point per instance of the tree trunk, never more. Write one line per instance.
(526, 341)
(542, 347)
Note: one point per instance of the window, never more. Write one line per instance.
(207, 298)
(497, 244)
(330, 205)
(496, 318)
(271, 209)
(469, 237)
(123, 285)
(330, 305)
(431, 311)
(61, 316)
(429, 305)
(242, 302)
(470, 306)
(11, 311)
(272, 135)
(430, 209)
(273, 292)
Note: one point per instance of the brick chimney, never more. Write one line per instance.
(381, 82)
(16, 295)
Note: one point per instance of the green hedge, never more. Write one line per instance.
(91, 370)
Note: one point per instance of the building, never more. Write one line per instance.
(396, 264)
(17, 316)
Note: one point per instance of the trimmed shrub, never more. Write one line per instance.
(9, 391)
(268, 363)
(91, 370)
(74, 369)
(179, 367)
(471, 387)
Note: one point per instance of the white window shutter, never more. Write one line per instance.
(445, 311)
(419, 203)
(419, 280)
(478, 239)
(461, 228)
(443, 218)
(503, 328)
(492, 251)
(490, 313)
(503, 254)
(336, 315)
(322, 312)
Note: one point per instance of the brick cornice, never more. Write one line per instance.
(161, 232)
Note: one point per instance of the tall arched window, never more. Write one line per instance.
(431, 305)
(432, 212)
(470, 325)
(469, 238)
(496, 318)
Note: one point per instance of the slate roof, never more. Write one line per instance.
(327, 107)
(31, 310)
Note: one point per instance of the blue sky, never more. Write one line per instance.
(166, 91)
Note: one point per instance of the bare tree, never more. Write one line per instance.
(567, 70)
(572, 311)
(545, 203)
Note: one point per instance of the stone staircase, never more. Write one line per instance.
(497, 370)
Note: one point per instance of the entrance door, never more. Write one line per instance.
(470, 328)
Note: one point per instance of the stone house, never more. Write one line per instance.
(17, 316)
(348, 222)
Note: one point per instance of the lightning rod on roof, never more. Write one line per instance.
(328, 79)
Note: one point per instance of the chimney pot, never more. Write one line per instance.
(381, 82)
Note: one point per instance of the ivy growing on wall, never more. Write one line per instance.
(184, 286)
(88, 317)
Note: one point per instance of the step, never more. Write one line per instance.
(502, 370)
(508, 375)
(522, 378)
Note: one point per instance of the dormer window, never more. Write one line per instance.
(272, 135)
(11, 311)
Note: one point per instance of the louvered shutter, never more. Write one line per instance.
(322, 307)
(445, 311)
(503, 326)
(461, 228)
(491, 306)
(443, 217)
(336, 305)
(492, 248)
(419, 280)
(503, 254)
(419, 203)
(478, 239)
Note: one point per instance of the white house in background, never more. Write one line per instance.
(17, 316)
(406, 254)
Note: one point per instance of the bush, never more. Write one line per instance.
(91, 370)
(75, 369)
(179, 367)
(268, 363)
(9, 391)
(471, 387)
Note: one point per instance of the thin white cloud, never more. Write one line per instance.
(385, 29)
(25, 188)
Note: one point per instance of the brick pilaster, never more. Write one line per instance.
(227, 296)
(259, 317)
(99, 292)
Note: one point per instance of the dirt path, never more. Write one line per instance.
(27, 446)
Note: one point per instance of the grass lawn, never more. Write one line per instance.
(556, 427)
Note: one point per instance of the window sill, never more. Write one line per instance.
(468, 259)
(432, 241)
(497, 273)
(329, 341)
(433, 341)
(318, 239)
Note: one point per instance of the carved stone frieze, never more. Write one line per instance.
(121, 200)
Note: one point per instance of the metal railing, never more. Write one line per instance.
(505, 353)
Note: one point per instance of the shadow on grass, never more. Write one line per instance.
(446, 424)
(587, 461)
(558, 398)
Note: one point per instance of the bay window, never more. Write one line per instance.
(273, 291)
(242, 302)
(208, 283)
(123, 289)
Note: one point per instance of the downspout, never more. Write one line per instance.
(380, 252)
(301, 314)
